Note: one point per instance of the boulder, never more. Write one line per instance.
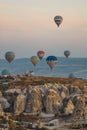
(4, 103)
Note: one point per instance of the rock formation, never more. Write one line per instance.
(1, 110)
(34, 99)
(19, 104)
(4, 103)
(80, 111)
(52, 101)
(48, 97)
(69, 108)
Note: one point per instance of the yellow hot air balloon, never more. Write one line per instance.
(34, 60)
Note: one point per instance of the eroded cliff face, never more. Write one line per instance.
(69, 108)
(34, 99)
(4, 103)
(48, 97)
(19, 104)
(80, 111)
(52, 101)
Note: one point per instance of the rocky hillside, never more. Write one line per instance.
(43, 94)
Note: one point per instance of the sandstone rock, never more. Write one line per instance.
(19, 104)
(74, 89)
(69, 108)
(52, 101)
(1, 110)
(80, 111)
(11, 95)
(50, 97)
(12, 91)
(0, 94)
(63, 95)
(4, 103)
(63, 91)
(84, 90)
(34, 100)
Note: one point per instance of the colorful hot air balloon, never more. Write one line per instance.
(51, 61)
(40, 54)
(67, 53)
(34, 60)
(58, 20)
(9, 56)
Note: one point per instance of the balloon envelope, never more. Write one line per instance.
(5, 72)
(58, 20)
(9, 56)
(67, 53)
(34, 60)
(40, 54)
(72, 75)
(51, 61)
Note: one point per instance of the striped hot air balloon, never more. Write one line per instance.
(51, 61)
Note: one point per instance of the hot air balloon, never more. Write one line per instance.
(5, 72)
(58, 20)
(51, 61)
(72, 75)
(67, 53)
(9, 56)
(34, 60)
(40, 54)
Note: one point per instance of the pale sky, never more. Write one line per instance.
(27, 26)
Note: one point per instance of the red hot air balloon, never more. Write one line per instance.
(40, 54)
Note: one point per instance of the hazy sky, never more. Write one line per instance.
(27, 26)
